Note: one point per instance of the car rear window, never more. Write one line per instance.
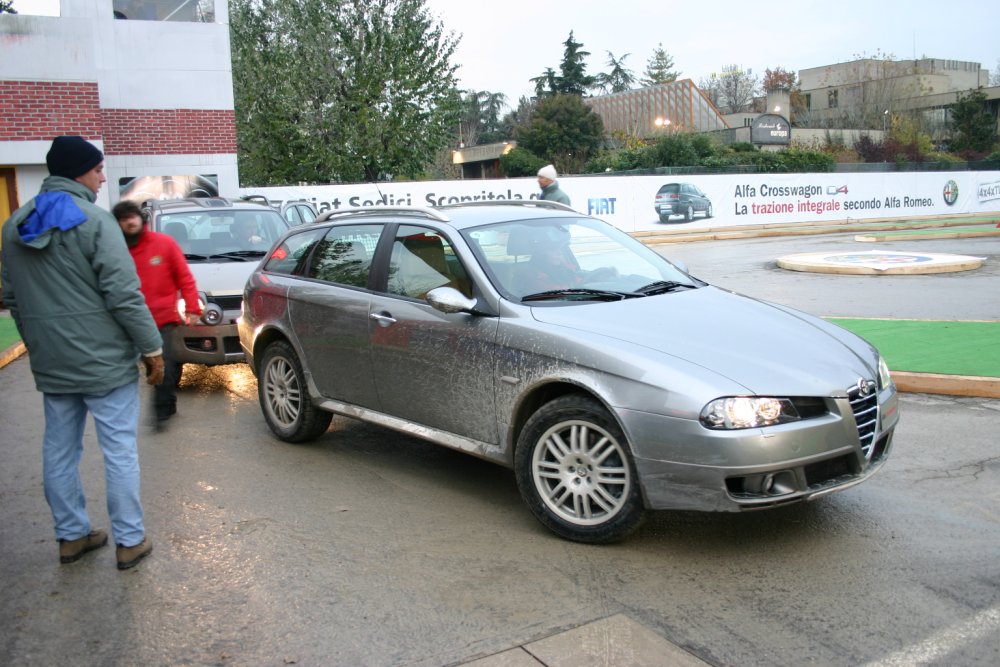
(672, 188)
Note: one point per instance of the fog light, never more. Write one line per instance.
(212, 314)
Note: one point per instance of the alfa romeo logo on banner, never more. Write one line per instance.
(950, 192)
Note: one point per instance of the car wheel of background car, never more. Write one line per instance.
(708, 211)
(575, 472)
(281, 388)
(689, 213)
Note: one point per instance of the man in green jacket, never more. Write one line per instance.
(71, 287)
(547, 181)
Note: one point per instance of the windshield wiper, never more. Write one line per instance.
(596, 294)
(240, 255)
(661, 287)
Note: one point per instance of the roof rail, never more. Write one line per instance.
(541, 203)
(421, 211)
(256, 198)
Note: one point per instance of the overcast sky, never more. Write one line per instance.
(508, 42)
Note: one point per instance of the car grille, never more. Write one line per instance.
(227, 302)
(865, 409)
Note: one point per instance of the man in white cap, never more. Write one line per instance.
(550, 187)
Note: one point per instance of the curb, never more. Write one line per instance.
(12, 353)
(951, 385)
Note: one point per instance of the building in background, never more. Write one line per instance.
(648, 112)
(147, 81)
(867, 93)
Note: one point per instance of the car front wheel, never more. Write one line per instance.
(576, 474)
(284, 400)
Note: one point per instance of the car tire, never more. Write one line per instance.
(575, 471)
(689, 213)
(708, 211)
(284, 399)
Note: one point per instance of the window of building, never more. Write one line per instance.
(199, 11)
(831, 99)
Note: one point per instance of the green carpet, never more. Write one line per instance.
(8, 332)
(930, 346)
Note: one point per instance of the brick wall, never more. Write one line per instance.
(40, 110)
(168, 131)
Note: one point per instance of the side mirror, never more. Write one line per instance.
(450, 300)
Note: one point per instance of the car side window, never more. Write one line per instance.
(344, 256)
(306, 213)
(292, 215)
(290, 256)
(423, 260)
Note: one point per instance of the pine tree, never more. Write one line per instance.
(659, 69)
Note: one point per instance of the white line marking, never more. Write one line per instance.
(933, 648)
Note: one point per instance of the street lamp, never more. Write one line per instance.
(885, 118)
(662, 122)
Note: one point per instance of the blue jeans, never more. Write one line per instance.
(116, 418)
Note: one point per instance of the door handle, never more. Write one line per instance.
(384, 320)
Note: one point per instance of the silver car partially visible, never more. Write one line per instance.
(610, 380)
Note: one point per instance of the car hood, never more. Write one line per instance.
(767, 349)
(222, 278)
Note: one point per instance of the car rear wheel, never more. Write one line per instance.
(575, 472)
(284, 400)
(689, 213)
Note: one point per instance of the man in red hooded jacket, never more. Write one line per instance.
(163, 273)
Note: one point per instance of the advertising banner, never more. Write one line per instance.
(631, 203)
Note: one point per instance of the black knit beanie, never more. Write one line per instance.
(71, 156)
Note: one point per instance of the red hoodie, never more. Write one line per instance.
(163, 272)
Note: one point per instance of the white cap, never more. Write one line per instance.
(549, 172)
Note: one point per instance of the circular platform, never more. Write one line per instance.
(878, 262)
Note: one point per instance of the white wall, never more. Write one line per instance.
(739, 199)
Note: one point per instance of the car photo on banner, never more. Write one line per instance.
(683, 199)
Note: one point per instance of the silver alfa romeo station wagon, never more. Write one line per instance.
(610, 380)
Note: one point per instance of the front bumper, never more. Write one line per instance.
(206, 344)
(682, 465)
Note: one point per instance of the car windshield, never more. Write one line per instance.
(571, 260)
(231, 235)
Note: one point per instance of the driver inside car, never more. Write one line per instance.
(244, 231)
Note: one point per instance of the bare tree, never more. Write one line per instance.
(712, 89)
(738, 87)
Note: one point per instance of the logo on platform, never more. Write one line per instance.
(950, 192)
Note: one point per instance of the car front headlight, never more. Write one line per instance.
(736, 412)
(884, 377)
(202, 300)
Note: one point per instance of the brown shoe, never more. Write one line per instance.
(130, 556)
(71, 550)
